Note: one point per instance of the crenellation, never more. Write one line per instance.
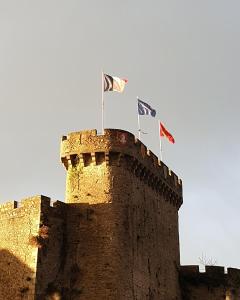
(213, 283)
(176, 181)
(115, 238)
(91, 132)
(9, 205)
(120, 148)
(194, 270)
(59, 204)
(153, 159)
(15, 208)
(165, 171)
(234, 273)
(133, 203)
(112, 140)
(40, 200)
(214, 270)
(170, 178)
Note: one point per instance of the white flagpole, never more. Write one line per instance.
(102, 103)
(160, 141)
(139, 128)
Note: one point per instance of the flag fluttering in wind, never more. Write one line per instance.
(166, 133)
(112, 83)
(145, 109)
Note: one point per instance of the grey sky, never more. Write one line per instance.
(180, 56)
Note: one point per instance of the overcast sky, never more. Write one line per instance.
(182, 57)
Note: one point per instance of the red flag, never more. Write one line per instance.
(164, 132)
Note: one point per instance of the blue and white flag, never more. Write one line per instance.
(145, 109)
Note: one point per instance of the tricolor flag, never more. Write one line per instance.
(164, 132)
(145, 109)
(112, 83)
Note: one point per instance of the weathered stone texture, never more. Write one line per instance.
(18, 257)
(115, 238)
(31, 241)
(213, 284)
(125, 208)
(51, 257)
(86, 148)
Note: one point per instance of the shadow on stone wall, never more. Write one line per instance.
(16, 279)
(79, 258)
(92, 258)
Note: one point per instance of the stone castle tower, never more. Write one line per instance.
(129, 235)
(116, 236)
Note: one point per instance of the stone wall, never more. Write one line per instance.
(86, 148)
(122, 220)
(116, 238)
(52, 253)
(32, 248)
(18, 255)
(213, 284)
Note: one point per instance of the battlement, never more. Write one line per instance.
(14, 208)
(119, 147)
(26, 202)
(212, 275)
(8, 206)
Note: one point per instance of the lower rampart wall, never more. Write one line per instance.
(213, 284)
(78, 251)
(27, 232)
(52, 253)
(19, 225)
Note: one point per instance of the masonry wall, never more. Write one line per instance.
(32, 249)
(52, 253)
(122, 221)
(116, 238)
(18, 253)
(126, 247)
(150, 231)
(213, 284)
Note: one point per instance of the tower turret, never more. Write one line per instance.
(124, 207)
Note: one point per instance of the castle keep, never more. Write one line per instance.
(115, 237)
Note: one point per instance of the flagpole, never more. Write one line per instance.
(160, 142)
(139, 128)
(161, 151)
(102, 103)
